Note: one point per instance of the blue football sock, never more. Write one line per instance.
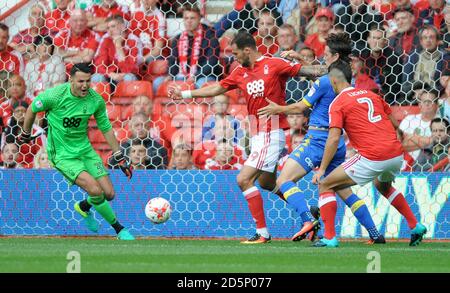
(294, 197)
(359, 209)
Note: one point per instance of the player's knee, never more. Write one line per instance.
(243, 182)
(95, 190)
(280, 181)
(110, 195)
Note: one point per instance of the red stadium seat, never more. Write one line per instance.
(103, 88)
(185, 114)
(162, 90)
(134, 89)
(122, 100)
(400, 112)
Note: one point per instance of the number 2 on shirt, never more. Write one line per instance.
(370, 116)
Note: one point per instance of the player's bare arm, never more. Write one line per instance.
(291, 55)
(415, 142)
(111, 140)
(330, 150)
(313, 70)
(210, 91)
(274, 108)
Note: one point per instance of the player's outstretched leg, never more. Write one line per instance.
(398, 201)
(104, 209)
(291, 173)
(245, 180)
(83, 208)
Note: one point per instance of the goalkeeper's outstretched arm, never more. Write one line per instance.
(210, 91)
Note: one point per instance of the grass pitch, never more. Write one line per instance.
(214, 256)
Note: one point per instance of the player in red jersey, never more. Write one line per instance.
(371, 129)
(259, 78)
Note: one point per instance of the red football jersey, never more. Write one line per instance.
(364, 116)
(148, 28)
(102, 12)
(267, 79)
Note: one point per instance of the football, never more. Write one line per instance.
(158, 210)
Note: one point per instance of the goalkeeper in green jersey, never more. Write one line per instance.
(68, 108)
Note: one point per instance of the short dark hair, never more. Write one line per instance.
(83, 67)
(403, 9)
(243, 40)
(4, 27)
(192, 8)
(441, 120)
(40, 39)
(182, 146)
(432, 91)
(116, 17)
(343, 67)
(340, 44)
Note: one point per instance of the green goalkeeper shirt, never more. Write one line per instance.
(68, 118)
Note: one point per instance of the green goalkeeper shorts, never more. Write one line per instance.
(89, 162)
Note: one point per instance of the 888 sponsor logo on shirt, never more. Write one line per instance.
(256, 88)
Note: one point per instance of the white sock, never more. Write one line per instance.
(263, 232)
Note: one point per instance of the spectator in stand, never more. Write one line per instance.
(98, 14)
(247, 18)
(286, 7)
(224, 158)
(317, 41)
(444, 109)
(195, 52)
(160, 130)
(10, 154)
(140, 130)
(297, 87)
(14, 130)
(445, 29)
(287, 39)
(137, 153)
(174, 8)
(150, 26)
(405, 40)
(41, 160)
(58, 19)
(416, 128)
(15, 93)
(10, 59)
(303, 20)
(439, 147)
(182, 158)
(383, 65)
(427, 63)
(207, 149)
(4, 79)
(119, 54)
(295, 140)
(297, 122)
(266, 41)
(46, 70)
(356, 19)
(23, 41)
(361, 78)
(77, 44)
(220, 108)
(433, 15)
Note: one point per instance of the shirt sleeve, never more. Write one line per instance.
(231, 81)
(101, 116)
(289, 68)
(386, 107)
(44, 101)
(336, 116)
(315, 93)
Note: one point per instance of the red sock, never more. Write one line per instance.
(328, 209)
(255, 204)
(398, 201)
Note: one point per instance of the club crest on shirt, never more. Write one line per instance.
(39, 104)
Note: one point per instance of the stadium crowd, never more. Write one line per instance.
(400, 52)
